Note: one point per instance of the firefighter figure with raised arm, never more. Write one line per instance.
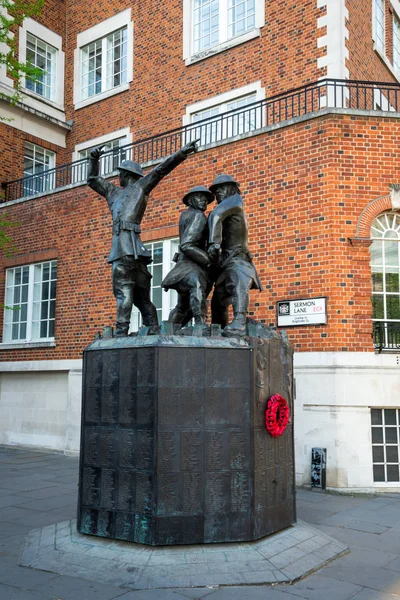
(190, 276)
(228, 249)
(128, 257)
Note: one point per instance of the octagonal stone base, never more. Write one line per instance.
(174, 448)
(281, 558)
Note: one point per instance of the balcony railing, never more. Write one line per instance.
(386, 335)
(310, 98)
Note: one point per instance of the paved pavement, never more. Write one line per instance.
(39, 489)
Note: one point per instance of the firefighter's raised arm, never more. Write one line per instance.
(150, 181)
(97, 183)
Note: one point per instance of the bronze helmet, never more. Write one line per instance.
(131, 167)
(199, 188)
(220, 179)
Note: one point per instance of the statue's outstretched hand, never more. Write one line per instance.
(97, 152)
(214, 252)
(190, 147)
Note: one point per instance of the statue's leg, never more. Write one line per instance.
(178, 315)
(219, 305)
(197, 298)
(141, 297)
(240, 284)
(122, 279)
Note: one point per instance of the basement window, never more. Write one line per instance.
(385, 424)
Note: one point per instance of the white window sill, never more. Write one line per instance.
(241, 39)
(26, 345)
(102, 96)
(381, 53)
(43, 99)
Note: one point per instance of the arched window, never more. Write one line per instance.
(385, 267)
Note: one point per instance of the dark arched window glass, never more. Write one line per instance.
(385, 267)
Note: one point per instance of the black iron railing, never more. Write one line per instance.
(313, 97)
(386, 335)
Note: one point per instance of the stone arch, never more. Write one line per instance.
(369, 213)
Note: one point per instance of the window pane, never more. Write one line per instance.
(392, 282)
(45, 290)
(158, 254)
(379, 473)
(157, 297)
(391, 253)
(393, 307)
(51, 328)
(24, 312)
(43, 329)
(396, 43)
(376, 416)
(36, 311)
(392, 454)
(376, 252)
(35, 330)
(391, 435)
(390, 416)
(157, 275)
(44, 310)
(377, 282)
(22, 331)
(380, 23)
(377, 435)
(392, 472)
(378, 454)
(377, 307)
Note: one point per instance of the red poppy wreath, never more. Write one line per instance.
(276, 415)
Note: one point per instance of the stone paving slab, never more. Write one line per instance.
(280, 558)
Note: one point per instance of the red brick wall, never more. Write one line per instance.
(304, 188)
(285, 56)
(12, 152)
(364, 62)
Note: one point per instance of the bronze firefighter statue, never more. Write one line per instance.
(190, 276)
(128, 257)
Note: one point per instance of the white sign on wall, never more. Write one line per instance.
(302, 311)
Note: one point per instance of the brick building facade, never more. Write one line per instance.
(286, 98)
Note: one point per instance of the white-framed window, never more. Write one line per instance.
(111, 142)
(43, 49)
(37, 161)
(385, 267)
(211, 26)
(385, 424)
(225, 116)
(396, 43)
(43, 57)
(104, 59)
(30, 302)
(378, 27)
(104, 63)
(162, 252)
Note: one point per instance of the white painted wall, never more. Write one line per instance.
(334, 394)
(40, 404)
